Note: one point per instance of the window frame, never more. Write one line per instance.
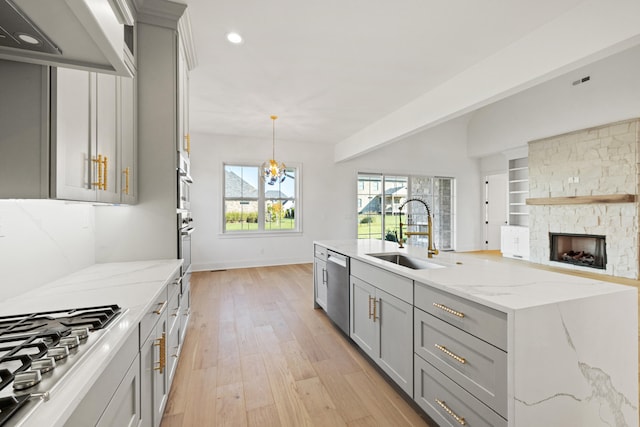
(431, 199)
(261, 201)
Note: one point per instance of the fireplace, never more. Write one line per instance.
(586, 250)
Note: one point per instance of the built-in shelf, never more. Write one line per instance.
(583, 200)
(518, 191)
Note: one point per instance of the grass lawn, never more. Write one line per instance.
(373, 229)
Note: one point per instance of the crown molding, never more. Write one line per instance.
(162, 13)
(184, 28)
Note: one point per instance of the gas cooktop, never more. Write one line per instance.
(38, 349)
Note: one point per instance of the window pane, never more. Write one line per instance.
(241, 215)
(279, 214)
(241, 182)
(395, 193)
(282, 190)
(370, 215)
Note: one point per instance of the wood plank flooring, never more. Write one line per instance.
(256, 353)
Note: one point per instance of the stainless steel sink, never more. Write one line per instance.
(405, 261)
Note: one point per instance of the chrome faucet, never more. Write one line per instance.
(431, 250)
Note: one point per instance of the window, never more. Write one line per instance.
(250, 205)
(378, 213)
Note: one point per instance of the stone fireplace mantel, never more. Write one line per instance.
(582, 200)
(587, 183)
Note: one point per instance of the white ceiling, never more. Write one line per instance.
(330, 69)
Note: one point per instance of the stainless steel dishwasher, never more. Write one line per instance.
(338, 289)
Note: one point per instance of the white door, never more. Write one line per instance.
(496, 211)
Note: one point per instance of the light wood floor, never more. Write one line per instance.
(256, 353)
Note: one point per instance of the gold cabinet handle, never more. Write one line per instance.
(450, 354)
(162, 343)
(370, 312)
(98, 161)
(101, 163)
(187, 138)
(443, 405)
(105, 174)
(161, 309)
(448, 310)
(126, 172)
(375, 309)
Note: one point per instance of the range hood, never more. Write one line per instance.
(84, 34)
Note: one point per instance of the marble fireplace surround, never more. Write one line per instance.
(586, 182)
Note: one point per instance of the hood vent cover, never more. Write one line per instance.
(18, 32)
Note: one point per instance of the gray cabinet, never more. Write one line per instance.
(153, 361)
(64, 137)
(128, 147)
(460, 359)
(382, 323)
(184, 137)
(320, 276)
(114, 400)
(447, 403)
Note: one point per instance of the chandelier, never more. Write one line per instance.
(272, 172)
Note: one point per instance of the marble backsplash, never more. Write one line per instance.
(42, 240)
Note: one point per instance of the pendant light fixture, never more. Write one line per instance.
(272, 172)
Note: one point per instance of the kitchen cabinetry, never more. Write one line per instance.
(184, 137)
(381, 318)
(320, 276)
(70, 148)
(128, 147)
(154, 334)
(114, 400)
(460, 359)
(514, 241)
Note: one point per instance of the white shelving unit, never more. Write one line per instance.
(515, 236)
(518, 192)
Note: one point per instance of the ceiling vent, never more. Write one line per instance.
(582, 80)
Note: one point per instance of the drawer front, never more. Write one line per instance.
(478, 367)
(155, 312)
(486, 323)
(320, 252)
(398, 286)
(448, 403)
(173, 309)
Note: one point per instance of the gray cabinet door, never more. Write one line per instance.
(124, 408)
(128, 141)
(395, 323)
(154, 384)
(73, 100)
(364, 331)
(320, 282)
(106, 131)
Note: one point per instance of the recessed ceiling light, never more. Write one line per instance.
(28, 38)
(234, 38)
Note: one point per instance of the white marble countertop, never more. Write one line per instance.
(503, 286)
(133, 286)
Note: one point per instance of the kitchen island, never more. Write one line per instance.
(96, 391)
(550, 349)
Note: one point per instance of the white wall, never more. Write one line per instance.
(42, 240)
(557, 107)
(328, 208)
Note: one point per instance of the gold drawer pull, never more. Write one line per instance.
(162, 343)
(448, 310)
(444, 406)
(370, 313)
(450, 354)
(161, 308)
